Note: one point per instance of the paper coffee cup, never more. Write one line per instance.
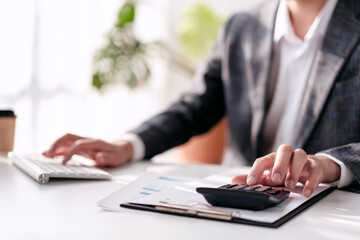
(7, 130)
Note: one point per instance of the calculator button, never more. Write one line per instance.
(227, 186)
(272, 191)
(238, 187)
(251, 188)
(262, 189)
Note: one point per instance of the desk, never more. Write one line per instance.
(68, 210)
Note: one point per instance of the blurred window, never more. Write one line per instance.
(46, 53)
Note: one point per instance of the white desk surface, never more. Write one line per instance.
(68, 210)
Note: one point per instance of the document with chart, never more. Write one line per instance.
(166, 194)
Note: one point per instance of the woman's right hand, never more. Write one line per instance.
(105, 154)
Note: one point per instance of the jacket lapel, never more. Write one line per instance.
(260, 53)
(342, 35)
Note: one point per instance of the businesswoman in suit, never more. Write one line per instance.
(287, 76)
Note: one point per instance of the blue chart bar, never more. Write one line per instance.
(150, 189)
(145, 193)
(172, 179)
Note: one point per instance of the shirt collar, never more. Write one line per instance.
(284, 29)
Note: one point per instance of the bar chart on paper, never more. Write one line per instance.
(146, 185)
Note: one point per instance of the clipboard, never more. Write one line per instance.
(223, 215)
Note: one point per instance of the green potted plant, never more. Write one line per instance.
(124, 58)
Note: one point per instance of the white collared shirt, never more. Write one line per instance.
(294, 58)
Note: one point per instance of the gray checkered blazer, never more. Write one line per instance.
(236, 81)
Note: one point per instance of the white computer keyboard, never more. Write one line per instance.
(42, 169)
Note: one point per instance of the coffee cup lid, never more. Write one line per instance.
(7, 113)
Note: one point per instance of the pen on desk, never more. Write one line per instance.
(201, 212)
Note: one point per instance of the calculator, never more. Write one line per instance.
(243, 196)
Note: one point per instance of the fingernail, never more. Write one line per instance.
(290, 184)
(276, 178)
(307, 193)
(250, 180)
(46, 152)
(65, 159)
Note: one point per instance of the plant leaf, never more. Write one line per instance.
(96, 81)
(126, 14)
